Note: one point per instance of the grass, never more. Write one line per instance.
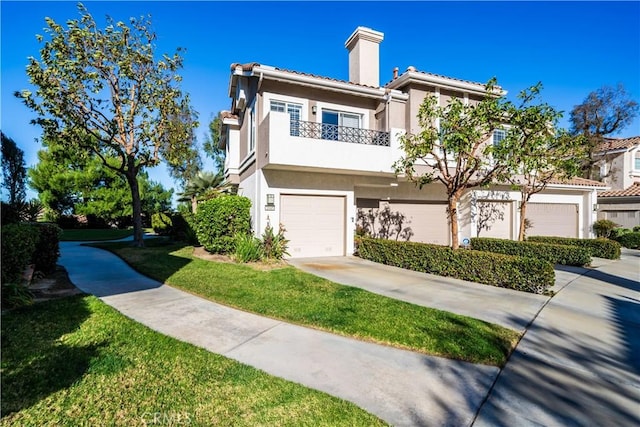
(297, 297)
(84, 235)
(76, 361)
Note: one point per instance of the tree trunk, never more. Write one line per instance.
(453, 217)
(194, 204)
(523, 218)
(132, 179)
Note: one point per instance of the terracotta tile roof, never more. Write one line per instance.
(610, 144)
(411, 69)
(299, 73)
(579, 182)
(227, 115)
(245, 67)
(634, 190)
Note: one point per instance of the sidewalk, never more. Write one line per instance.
(402, 387)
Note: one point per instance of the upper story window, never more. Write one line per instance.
(636, 161)
(334, 124)
(294, 111)
(252, 129)
(498, 136)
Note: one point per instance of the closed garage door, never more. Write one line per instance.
(428, 223)
(494, 219)
(315, 225)
(553, 219)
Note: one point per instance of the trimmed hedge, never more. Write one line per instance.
(161, 223)
(220, 219)
(47, 249)
(630, 240)
(555, 254)
(600, 248)
(505, 271)
(18, 245)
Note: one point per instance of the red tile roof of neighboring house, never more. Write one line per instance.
(610, 144)
(578, 181)
(634, 190)
(227, 115)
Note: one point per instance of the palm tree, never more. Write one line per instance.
(201, 184)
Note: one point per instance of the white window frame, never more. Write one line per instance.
(495, 133)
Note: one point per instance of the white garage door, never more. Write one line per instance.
(494, 219)
(553, 219)
(315, 225)
(428, 222)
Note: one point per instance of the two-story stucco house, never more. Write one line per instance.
(316, 154)
(619, 164)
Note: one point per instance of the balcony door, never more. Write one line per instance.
(339, 126)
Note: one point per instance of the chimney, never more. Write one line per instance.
(364, 56)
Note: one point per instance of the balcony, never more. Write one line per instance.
(338, 133)
(301, 145)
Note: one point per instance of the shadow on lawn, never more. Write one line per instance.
(35, 362)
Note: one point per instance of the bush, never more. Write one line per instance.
(9, 214)
(601, 248)
(220, 219)
(506, 271)
(18, 246)
(604, 228)
(636, 229)
(274, 246)
(15, 295)
(619, 232)
(161, 223)
(47, 249)
(248, 248)
(555, 254)
(183, 229)
(630, 240)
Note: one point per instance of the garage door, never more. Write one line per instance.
(428, 222)
(553, 219)
(315, 225)
(494, 219)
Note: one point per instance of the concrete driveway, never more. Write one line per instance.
(506, 307)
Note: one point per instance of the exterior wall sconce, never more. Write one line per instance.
(595, 207)
(314, 109)
(271, 204)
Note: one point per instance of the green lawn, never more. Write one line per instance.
(94, 234)
(76, 361)
(297, 297)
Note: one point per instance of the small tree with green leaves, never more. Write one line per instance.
(452, 147)
(541, 154)
(109, 84)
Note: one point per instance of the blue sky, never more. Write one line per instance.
(573, 48)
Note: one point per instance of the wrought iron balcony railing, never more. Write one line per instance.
(338, 133)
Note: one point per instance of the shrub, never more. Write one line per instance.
(220, 219)
(274, 246)
(248, 248)
(636, 229)
(18, 246)
(161, 223)
(601, 248)
(506, 271)
(47, 249)
(604, 227)
(555, 254)
(9, 214)
(630, 240)
(616, 233)
(183, 228)
(15, 295)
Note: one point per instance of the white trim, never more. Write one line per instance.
(267, 97)
(340, 108)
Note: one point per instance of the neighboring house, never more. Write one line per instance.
(619, 166)
(316, 154)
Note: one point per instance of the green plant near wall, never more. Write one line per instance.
(248, 248)
(219, 220)
(604, 228)
(274, 245)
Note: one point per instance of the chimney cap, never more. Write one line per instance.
(363, 33)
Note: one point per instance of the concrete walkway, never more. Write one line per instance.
(579, 363)
(402, 387)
